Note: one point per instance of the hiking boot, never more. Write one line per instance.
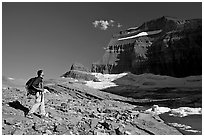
(29, 116)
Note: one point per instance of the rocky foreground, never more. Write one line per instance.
(75, 109)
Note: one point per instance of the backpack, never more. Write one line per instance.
(28, 86)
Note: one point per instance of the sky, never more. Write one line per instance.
(52, 36)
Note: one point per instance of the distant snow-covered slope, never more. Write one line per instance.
(105, 80)
(144, 81)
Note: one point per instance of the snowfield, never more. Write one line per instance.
(100, 85)
(141, 34)
(179, 112)
(157, 110)
(105, 80)
(185, 111)
(108, 77)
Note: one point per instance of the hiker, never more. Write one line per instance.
(36, 87)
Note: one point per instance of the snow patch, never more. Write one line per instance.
(184, 127)
(141, 34)
(108, 77)
(105, 80)
(157, 110)
(138, 35)
(179, 112)
(132, 28)
(194, 131)
(185, 111)
(100, 85)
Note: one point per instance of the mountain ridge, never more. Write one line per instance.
(136, 50)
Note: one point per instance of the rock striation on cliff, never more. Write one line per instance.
(166, 46)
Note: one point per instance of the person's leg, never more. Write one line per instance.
(36, 105)
(42, 105)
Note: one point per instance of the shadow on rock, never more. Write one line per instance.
(17, 105)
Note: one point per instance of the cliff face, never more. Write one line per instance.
(80, 72)
(166, 46)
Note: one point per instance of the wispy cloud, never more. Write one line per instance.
(10, 78)
(105, 24)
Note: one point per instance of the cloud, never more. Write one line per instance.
(10, 78)
(104, 24)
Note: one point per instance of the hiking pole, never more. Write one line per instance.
(41, 94)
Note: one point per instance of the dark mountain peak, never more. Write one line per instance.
(79, 66)
(169, 18)
(165, 23)
(165, 46)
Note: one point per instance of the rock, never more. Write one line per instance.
(81, 75)
(18, 132)
(111, 132)
(68, 133)
(110, 118)
(48, 132)
(40, 127)
(129, 129)
(59, 119)
(18, 124)
(61, 128)
(111, 110)
(139, 108)
(105, 125)
(86, 115)
(114, 125)
(100, 132)
(9, 121)
(79, 67)
(127, 133)
(78, 71)
(94, 122)
(64, 105)
(118, 131)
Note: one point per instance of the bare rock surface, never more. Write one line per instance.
(79, 66)
(81, 75)
(78, 71)
(74, 109)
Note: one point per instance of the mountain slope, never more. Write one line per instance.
(74, 109)
(165, 46)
